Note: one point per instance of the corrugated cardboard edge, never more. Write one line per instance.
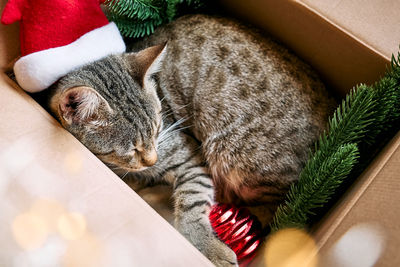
(328, 225)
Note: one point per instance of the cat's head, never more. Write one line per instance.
(112, 107)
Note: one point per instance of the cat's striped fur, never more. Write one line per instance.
(225, 110)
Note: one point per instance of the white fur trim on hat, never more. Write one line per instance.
(39, 70)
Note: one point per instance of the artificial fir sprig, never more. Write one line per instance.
(334, 157)
(135, 28)
(327, 174)
(172, 8)
(137, 18)
(137, 9)
(366, 113)
(387, 95)
(350, 121)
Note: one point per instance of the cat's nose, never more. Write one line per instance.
(150, 158)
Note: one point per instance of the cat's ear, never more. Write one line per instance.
(80, 105)
(147, 62)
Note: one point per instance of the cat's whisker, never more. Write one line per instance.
(162, 99)
(115, 167)
(170, 128)
(171, 133)
(167, 112)
(123, 176)
(165, 115)
(171, 111)
(177, 123)
(164, 142)
(166, 137)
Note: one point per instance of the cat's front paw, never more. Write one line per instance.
(219, 253)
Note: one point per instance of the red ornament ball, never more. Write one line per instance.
(238, 228)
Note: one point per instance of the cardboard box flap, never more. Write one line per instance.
(56, 195)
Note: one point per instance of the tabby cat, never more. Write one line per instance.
(206, 105)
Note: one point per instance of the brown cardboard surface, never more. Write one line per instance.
(42, 163)
(375, 23)
(374, 200)
(341, 60)
(348, 42)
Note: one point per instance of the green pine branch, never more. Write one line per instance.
(387, 94)
(135, 28)
(171, 10)
(326, 174)
(366, 113)
(350, 121)
(136, 9)
(137, 18)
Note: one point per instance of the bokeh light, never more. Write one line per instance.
(360, 246)
(49, 210)
(291, 247)
(73, 162)
(30, 231)
(71, 226)
(48, 255)
(85, 251)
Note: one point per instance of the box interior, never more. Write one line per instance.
(312, 30)
(348, 42)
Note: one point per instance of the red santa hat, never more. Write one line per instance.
(58, 36)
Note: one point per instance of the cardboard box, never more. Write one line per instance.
(51, 185)
(348, 42)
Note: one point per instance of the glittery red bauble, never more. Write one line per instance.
(238, 228)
